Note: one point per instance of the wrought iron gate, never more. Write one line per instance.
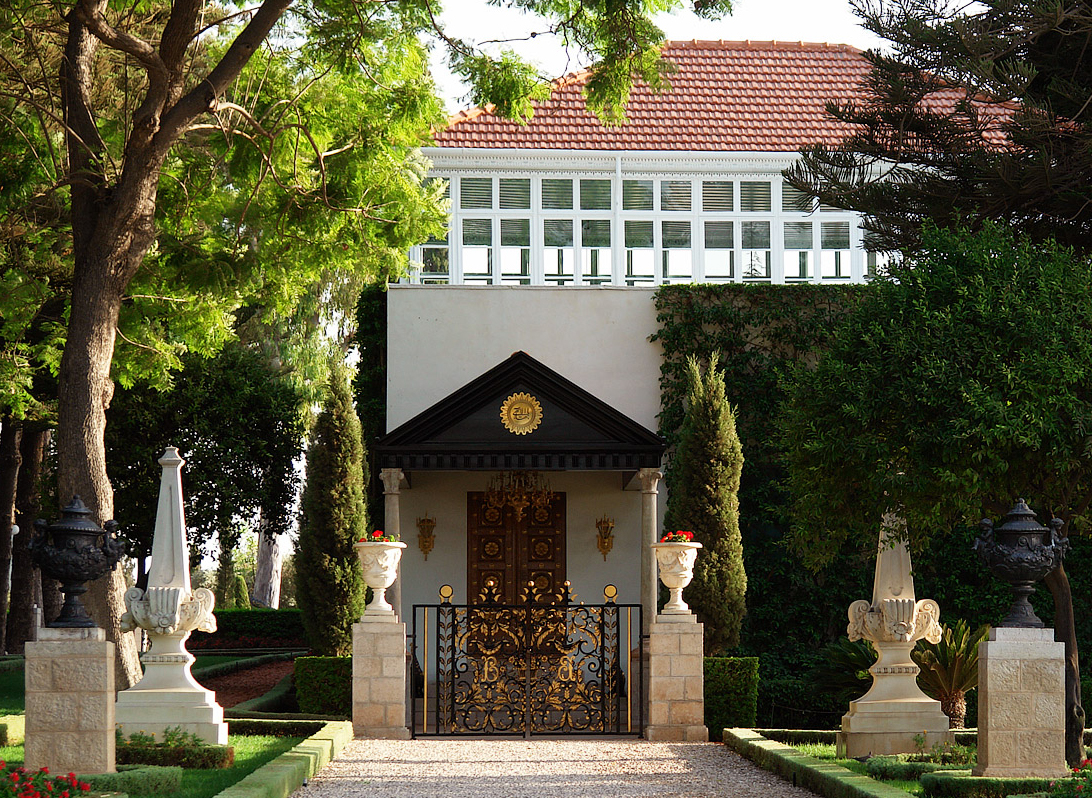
(545, 665)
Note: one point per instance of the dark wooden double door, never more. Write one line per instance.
(515, 552)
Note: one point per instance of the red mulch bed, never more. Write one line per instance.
(234, 688)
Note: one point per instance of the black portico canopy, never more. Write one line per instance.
(520, 415)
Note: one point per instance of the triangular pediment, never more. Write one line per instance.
(520, 414)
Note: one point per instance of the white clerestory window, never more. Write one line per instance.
(639, 230)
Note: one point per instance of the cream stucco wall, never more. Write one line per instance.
(441, 337)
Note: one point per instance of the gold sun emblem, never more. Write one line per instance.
(521, 413)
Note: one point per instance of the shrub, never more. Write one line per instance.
(178, 748)
(137, 780)
(897, 768)
(324, 685)
(255, 628)
(731, 693)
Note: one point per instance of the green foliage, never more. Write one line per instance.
(333, 518)
(252, 628)
(843, 670)
(237, 425)
(704, 500)
(731, 693)
(988, 400)
(370, 382)
(961, 784)
(324, 685)
(949, 668)
(757, 332)
(144, 780)
(240, 595)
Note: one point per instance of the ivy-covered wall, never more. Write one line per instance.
(763, 332)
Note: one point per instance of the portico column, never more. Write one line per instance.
(392, 525)
(649, 477)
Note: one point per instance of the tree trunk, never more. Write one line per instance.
(26, 583)
(1065, 631)
(267, 572)
(84, 392)
(954, 705)
(9, 475)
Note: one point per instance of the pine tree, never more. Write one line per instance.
(333, 517)
(704, 499)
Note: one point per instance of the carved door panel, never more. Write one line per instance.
(514, 552)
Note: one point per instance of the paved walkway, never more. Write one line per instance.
(569, 768)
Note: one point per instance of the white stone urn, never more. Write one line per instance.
(676, 566)
(379, 562)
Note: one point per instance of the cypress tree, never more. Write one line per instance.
(330, 588)
(704, 499)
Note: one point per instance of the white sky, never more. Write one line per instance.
(759, 20)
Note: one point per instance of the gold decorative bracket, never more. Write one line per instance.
(426, 537)
(604, 535)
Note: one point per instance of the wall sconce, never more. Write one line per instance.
(426, 537)
(604, 535)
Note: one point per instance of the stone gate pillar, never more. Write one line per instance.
(379, 678)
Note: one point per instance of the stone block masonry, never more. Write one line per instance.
(70, 702)
(379, 679)
(1021, 704)
(676, 706)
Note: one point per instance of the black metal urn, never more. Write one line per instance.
(1021, 552)
(74, 557)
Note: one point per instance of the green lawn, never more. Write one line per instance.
(827, 751)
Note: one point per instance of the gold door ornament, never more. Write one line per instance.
(521, 413)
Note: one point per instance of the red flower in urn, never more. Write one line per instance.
(379, 536)
(678, 536)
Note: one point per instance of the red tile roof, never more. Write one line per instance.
(725, 97)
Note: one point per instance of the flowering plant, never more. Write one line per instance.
(1076, 786)
(678, 536)
(17, 782)
(379, 536)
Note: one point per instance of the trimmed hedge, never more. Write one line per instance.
(731, 693)
(137, 780)
(823, 777)
(278, 699)
(895, 768)
(204, 757)
(274, 728)
(324, 685)
(3, 734)
(254, 628)
(829, 736)
(961, 784)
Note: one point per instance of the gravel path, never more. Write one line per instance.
(543, 769)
